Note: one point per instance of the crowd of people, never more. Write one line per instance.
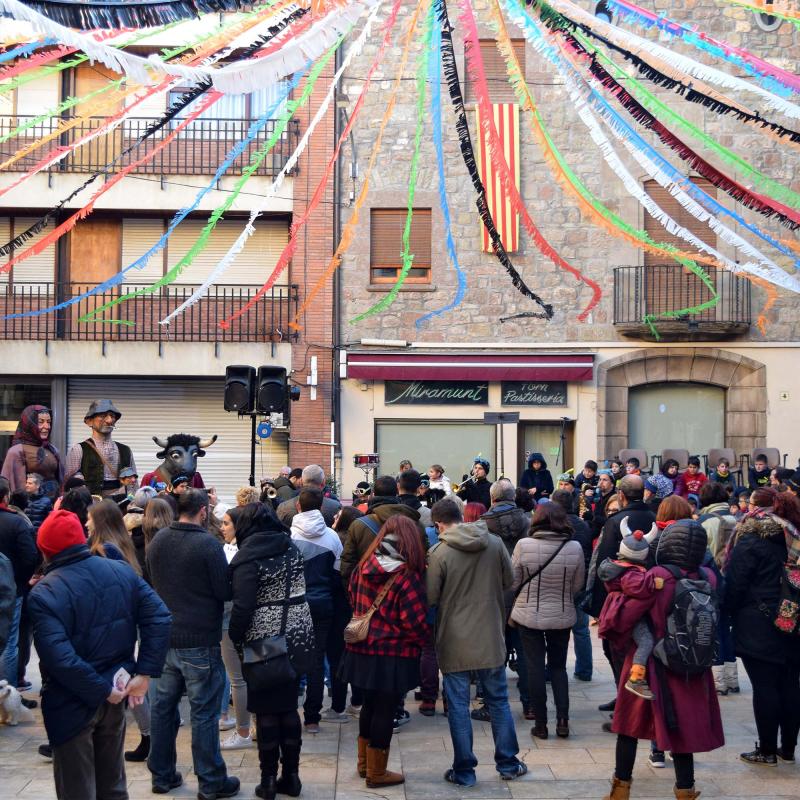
(143, 596)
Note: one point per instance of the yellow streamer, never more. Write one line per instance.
(348, 231)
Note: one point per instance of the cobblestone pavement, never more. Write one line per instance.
(578, 767)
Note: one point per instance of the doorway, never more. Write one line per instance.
(544, 438)
(687, 416)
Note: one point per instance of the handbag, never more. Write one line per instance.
(510, 622)
(266, 662)
(357, 629)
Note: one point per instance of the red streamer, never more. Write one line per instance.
(477, 76)
(291, 245)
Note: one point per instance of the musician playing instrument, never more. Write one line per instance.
(475, 489)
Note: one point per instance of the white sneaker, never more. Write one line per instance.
(227, 723)
(353, 711)
(236, 742)
(329, 715)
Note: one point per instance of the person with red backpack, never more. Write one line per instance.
(683, 716)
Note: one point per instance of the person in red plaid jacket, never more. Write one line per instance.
(385, 665)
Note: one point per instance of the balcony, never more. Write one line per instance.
(647, 292)
(197, 150)
(266, 321)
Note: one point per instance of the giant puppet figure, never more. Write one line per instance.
(31, 451)
(180, 452)
(99, 459)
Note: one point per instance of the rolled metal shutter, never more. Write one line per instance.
(159, 407)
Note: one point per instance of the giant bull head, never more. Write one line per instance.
(180, 452)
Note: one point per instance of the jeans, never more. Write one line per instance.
(495, 695)
(90, 765)
(236, 684)
(8, 659)
(582, 645)
(513, 642)
(321, 618)
(200, 671)
(334, 648)
(554, 645)
(726, 650)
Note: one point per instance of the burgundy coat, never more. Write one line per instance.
(694, 699)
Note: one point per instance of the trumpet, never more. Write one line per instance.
(457, 487)
(272, 492)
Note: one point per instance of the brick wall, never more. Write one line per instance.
(490, 293)
(311, 419)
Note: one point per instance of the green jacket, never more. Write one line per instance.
(468, 571)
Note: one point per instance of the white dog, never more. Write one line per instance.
(12, 712)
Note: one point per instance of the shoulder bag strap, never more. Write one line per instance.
(94, 447)
(541, 569)
(383, 592)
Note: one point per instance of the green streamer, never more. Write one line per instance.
(256, 160)
(407, 255)
(656, 107)
(518, 83)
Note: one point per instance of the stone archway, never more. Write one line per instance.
(744, 380)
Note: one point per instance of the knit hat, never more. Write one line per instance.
(61, 529)
(693, 498)
(483, 462)
(565, 477)
(178, 480)
(605, 472)
(635, 545)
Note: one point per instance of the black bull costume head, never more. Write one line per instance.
(180, 452)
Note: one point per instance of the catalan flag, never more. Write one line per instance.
(506, 121)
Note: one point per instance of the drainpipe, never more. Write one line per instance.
(336, 405)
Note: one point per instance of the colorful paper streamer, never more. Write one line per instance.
(434, 70)
(291, 246)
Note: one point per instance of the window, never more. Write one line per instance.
(386, 245)
(765, 21)
(500, 90)
(668, 287)
(230, 111)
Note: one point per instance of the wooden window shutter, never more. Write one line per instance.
(386, 244)
(500, 90)
(668, 286)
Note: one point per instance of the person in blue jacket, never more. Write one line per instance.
(87, 614)
(537, 479)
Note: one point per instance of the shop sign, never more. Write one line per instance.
(436, 393)
(519, 393)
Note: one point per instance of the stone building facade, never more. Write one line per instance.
(750, 364)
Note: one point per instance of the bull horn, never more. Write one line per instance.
(624, 529)
(207, 442)
(162, 443)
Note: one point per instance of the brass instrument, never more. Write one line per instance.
(457, 487)
(582, 508)
(272, 492)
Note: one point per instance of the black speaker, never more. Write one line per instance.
(271, 392)
(239, 388)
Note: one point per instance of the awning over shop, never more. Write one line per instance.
(470, 367)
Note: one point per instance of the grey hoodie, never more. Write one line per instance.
(468, 571)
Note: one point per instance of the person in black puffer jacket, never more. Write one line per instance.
(266, 562)
(753, 587)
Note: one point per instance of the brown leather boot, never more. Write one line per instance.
(362, 756)
(377, 774)
(686, 794)
(620, 790)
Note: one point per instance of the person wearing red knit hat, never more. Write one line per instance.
(87, 614)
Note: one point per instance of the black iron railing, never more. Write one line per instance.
(197, 150)
(641, 292)
(266, 321)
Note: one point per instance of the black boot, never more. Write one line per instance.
(289, 782)
(141, 752)
(267, 789)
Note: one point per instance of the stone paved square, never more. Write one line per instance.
(575, 768)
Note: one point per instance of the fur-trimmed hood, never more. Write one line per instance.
(765, 526)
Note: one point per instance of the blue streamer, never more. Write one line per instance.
(690, 37)
(141, 262)
(434, 61)
(695, 192)
(25, 50)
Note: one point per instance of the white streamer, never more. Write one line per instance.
(227, 260)
(581, 95)
(231, 79)
(677, 60)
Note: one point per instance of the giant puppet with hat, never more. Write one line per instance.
(100, 460)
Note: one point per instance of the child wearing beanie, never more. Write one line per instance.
(626, 576)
